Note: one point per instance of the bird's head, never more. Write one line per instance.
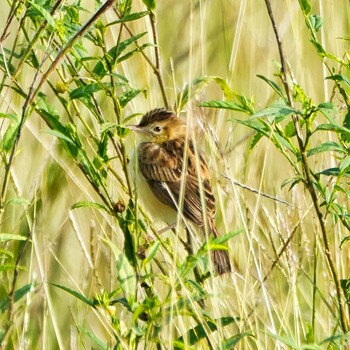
(160, 125)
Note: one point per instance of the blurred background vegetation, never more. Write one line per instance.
(71, 269)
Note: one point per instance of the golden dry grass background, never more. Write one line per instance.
(233, 40)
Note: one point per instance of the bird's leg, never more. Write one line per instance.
(167, 228)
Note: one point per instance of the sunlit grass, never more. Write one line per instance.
(281, 293)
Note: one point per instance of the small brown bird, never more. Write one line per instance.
(161, 163)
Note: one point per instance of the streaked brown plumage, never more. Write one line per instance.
(161, 163)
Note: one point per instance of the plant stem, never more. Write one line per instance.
(157, 66)
(157, 71)
(33, 92)
(69, 46)
(35, 39)
(308, 176)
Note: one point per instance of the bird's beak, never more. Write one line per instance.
(137, 129)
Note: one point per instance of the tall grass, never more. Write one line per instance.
(83, 264)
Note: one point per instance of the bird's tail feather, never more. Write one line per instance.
(221, 259)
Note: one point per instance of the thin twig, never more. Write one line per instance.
(120, 147)
(10, 17)
(157, 66)
(158, 71)
(33, 92)
(69, 46)
(263, 194)
(34, 40)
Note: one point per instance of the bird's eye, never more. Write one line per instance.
(157, 129)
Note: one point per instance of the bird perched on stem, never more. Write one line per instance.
(180, 185)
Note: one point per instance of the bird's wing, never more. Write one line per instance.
(157, 163)
(162, 168)
(192, 199)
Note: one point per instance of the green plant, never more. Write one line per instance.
(295, 124)
(70, 90)
(77, 248)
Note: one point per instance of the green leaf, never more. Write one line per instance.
(127, 278)
(125, 273)
(286, 340)
(275, 87)
(224, 105)
(128, 18)
(246, 103)
(333, 172)
(8, 267)
(292, 182)
(327, 106)
(122, 132)
(305, 7)
(336, 339)
(344, 164)
(226, 237)
(11, 237)
(194, 335)
(289, 130)
(326, 147)
(196, 86)
(150, 4)
(64, 133)
(10, 135)
(191, 90)
(339, 78)
(257, 124)
(319, 48)
(316, 22)
(276, 113)
(328, 110)
(189, 264)
(125, 98)
(197, 333)
(133, 52)
(344, 240)
(94, 338)
(102, 152)
(14, 117)
(87, 90)
(107, 126)
(127, 225)
(345, 285)
(18, 201)
(230, 343)
(19, 294)
(87, 204)
(336, 128)
(43, 12)
(124, 7)
(6, 252)
(113, 55)
(279, 140)
(346, 125)
(224, 87)
(75, 294)
(151, 253)
(257, 137)
(61, 136)
(197, 287)
(6, 65)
